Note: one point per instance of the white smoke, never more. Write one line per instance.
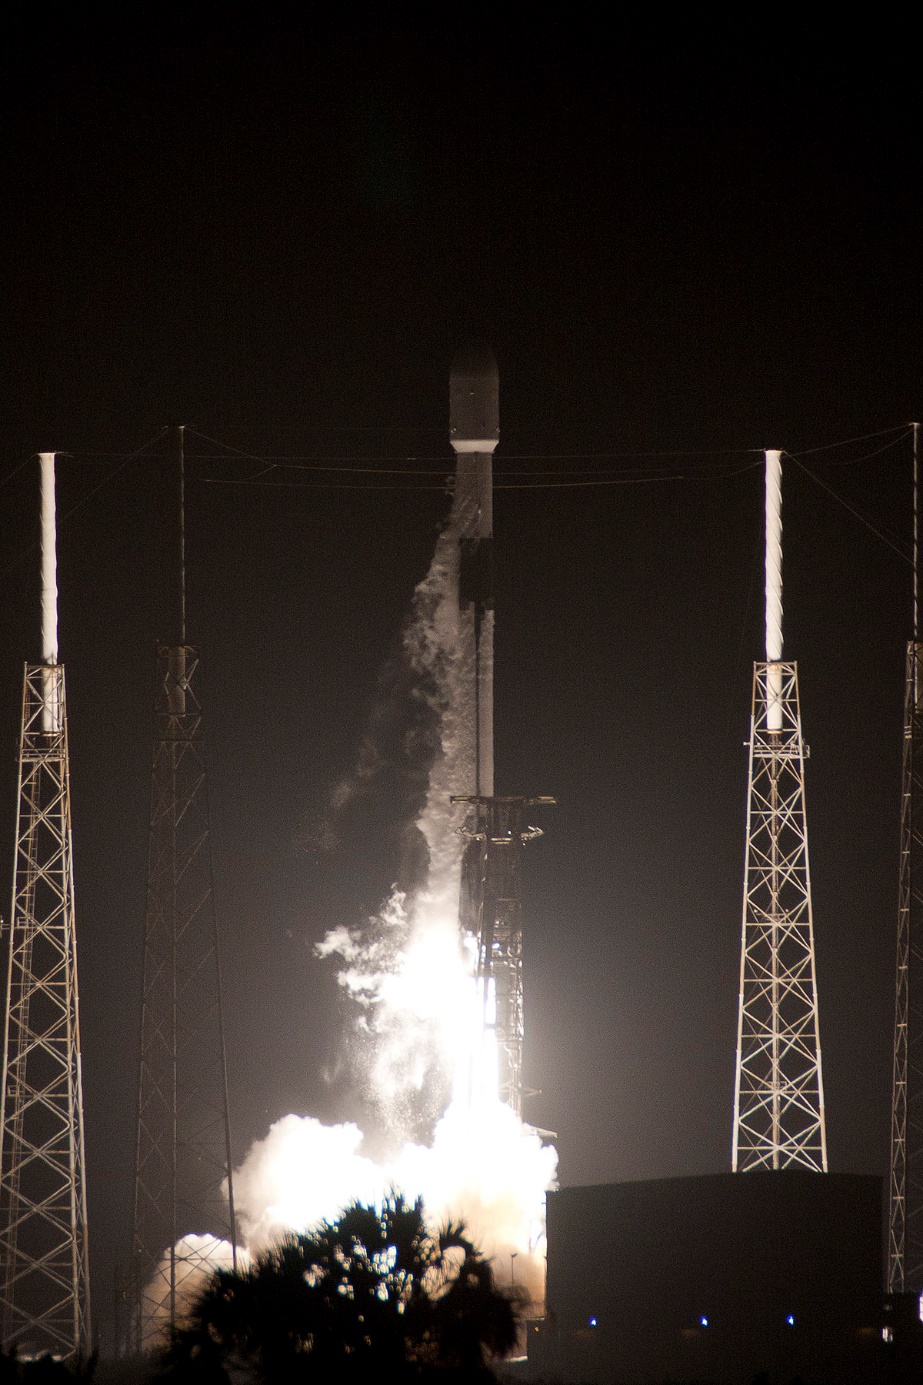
(189, 1267)
(411, 977)
(408, 969)
(484, 1168)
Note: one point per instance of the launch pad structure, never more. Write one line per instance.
(905, 1198)
(778, 1091)
(491, 912)
(183, 1163)
(44, 1267)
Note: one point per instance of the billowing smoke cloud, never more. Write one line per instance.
(484, 1168)
(408, 969)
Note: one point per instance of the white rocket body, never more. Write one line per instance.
(474, 432)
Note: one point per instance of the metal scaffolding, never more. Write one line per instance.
(183, 1166)
(44, 1278)
(905, 1236)
(905, 1191)
(905, 1221)
(491, 913)
(778, 1097)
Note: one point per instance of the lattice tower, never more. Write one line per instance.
(184, 1184)
(905, 1199)
(44, 1267)
(779, 1106)
(778, 1091)
(43, 1213)
(905, 1222)
(183, 1167)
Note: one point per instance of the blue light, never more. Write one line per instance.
(790, 1320)
(592, 1322)
(703, 1322)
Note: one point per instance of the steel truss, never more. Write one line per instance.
(183, 1166)
(778, 1099)
(491, 913)
(905, 1235)
(44, 1271)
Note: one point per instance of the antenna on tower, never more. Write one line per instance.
(778, 1089)
(44, 1267)
(183, 1163)
(905, 1196)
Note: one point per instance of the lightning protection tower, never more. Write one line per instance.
(778, 1095)
(44, 1272)
(905, 1201)
(183, 1168)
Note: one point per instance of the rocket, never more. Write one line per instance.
(474, 431)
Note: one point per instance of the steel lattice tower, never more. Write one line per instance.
(183, 1164)
(778, 1097)
(44, 1274)
(905, 1200)
(491, 913)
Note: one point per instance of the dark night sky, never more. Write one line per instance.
(276, 232)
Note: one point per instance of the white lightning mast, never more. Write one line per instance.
(44, 1274)
(778, 1090)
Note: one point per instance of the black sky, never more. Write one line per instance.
(689, 235)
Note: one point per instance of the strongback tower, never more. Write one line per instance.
(905, 1233)
(44, 1273)
(778, 1096)
(492, 914)
(183, 1170)
(495, 829)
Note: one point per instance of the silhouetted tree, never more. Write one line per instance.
(373, 1290)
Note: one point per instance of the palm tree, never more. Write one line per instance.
(373, 1289)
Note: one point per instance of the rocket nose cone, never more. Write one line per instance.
(474, 389)
(474, 361)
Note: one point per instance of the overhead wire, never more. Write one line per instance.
(847, 442)
(575, 478)
(66, 515)
(852, 510)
